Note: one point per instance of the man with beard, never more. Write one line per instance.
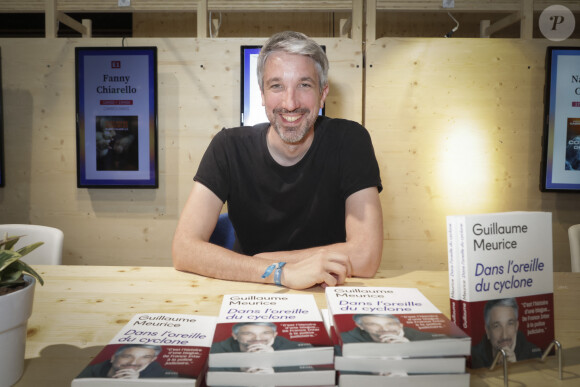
(302, 190)
(501, 332)
(257, 337)
(383, 328)
(132, 361)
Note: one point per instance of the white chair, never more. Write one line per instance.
(574, 236)
(50, 253)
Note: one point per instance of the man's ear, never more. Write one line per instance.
(324, 94)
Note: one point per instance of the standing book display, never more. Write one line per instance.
(270, 339)
(153, 349)
(506, 283)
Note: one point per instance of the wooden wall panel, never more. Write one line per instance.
(198, 95)
(457, 126)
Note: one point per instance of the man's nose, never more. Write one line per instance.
(290, 102)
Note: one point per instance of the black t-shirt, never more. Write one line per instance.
(273, 207)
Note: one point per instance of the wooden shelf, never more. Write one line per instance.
(18, 6)
(22, 6)
(521, 11)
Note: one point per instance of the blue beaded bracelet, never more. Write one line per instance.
(269, 270)
(277, 273)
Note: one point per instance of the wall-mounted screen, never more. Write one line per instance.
(560, 169)
(116, 101)
(251, 109)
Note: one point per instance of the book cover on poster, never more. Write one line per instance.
(270, 330)
(116, 141)
(153, 349)
(385, 321)
(506, 284)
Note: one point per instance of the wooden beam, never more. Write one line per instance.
(371, 21)
(72, 23)
(357, 18)
(460, 5)
(68, 6)
(501, 24)
(490, 6)
(88, 23)
(484, 28)
(280, 5)
(527, 19)
(50, 19)
(202, 16)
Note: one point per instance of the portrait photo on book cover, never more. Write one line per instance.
(139, 361)
(253, 337)
(389, 328)
(501, 321)
(129, 361)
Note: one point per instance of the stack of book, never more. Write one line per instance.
(501, 283)
(270, 340)
(153, 349)
(394, 336)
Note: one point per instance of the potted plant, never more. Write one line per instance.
(17, 282)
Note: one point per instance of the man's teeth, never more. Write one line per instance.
(291, 118)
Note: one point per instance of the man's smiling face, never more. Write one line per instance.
(291, 95)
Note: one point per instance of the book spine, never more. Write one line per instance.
(453, 265)
(461, 227)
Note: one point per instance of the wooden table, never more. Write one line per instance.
(80, 308)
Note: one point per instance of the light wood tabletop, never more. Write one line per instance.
(80, 308)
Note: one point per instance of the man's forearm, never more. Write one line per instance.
(210, 260)
(365, 259)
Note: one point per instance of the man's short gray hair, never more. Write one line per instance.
(297, 43)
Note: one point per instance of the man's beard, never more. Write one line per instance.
(292, 134)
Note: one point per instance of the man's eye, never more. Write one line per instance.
(306, 85)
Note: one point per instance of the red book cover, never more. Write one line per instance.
(270, 330)
(153, 348)
(506, 285)
(383, 321)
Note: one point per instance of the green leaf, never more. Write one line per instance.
(8, 242)
(11, 267)
(7, 258)
(11, 274)
(24, 267)
(30, 248)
